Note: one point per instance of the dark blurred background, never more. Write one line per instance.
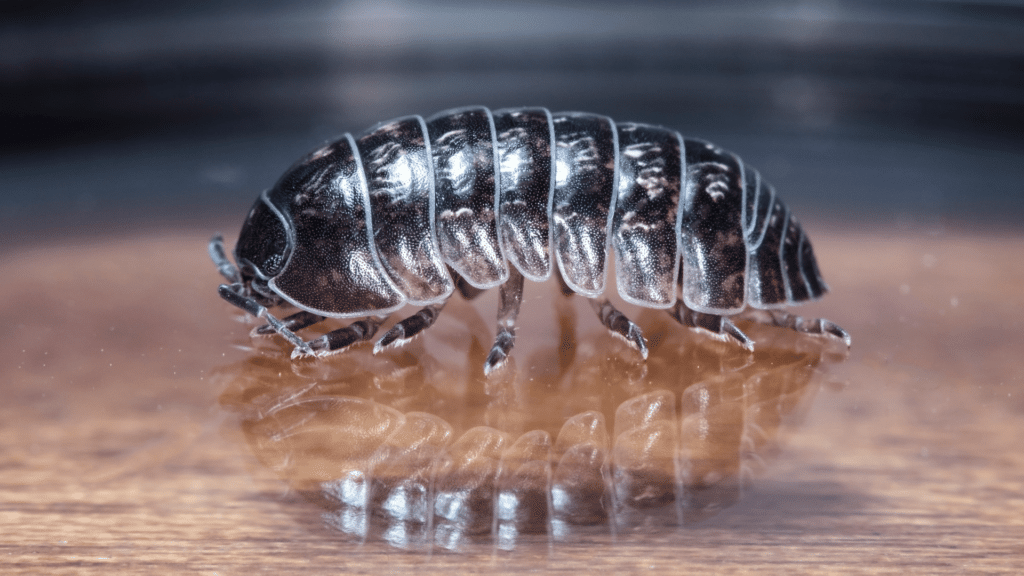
(119, 115)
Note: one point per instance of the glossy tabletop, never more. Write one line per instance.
(143, 429)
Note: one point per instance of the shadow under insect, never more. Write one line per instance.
(419, 449)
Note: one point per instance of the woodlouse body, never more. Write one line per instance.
(412, 209)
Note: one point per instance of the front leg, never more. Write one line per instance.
(342, 338)
(295, 322)
(233, 293)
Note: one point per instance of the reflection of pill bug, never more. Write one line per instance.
(412, 209)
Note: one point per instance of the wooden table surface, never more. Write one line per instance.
(135, 428)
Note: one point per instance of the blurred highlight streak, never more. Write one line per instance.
(73, 72)
(124, 115)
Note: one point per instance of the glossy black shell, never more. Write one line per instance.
(375, 221)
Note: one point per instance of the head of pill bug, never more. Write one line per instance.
(262, 250)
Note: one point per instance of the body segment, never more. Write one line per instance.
(526, 139)
(714, 250)
(325, 206)
(648, 217)
(397, 161)
(466, 184)
(583, 201)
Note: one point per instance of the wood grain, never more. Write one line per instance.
(120, 453)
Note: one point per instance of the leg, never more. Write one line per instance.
(467, 290)
(295, 322)
(783, 319)
(720, 326)
(342, 338)
(233, 294)
(510, 298)
(407, 329)
(562, 285)
(620, 325)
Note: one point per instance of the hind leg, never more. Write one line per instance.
(611, 318)
(819, 326)
(619, 325)
(510, 297)
(720, 326)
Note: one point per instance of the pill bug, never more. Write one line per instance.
(412, 210)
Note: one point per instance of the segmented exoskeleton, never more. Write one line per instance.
(412, 209)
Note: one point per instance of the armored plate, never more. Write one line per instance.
(463, 146)
(816, 285)
(525, 140)
(399, 174)
(714, 251)
(586, 148)
(334, 269)
(758, 215)
(767, 287)
(645, 228)
(796, 286)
